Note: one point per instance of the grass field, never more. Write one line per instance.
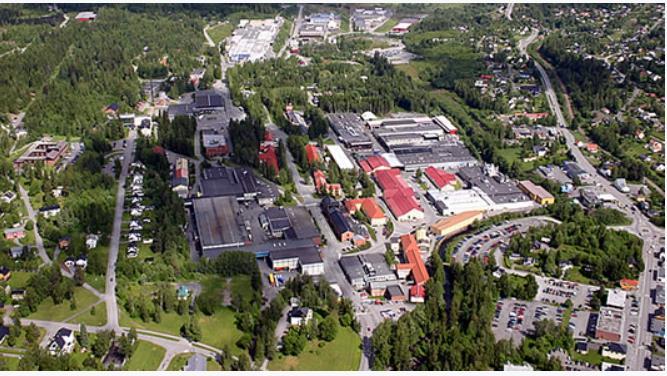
(178, 362)
(11, 363)
(220, 330)
(592, 357)
(217, 330)
(147, 357)
(220, 32)
(18, 280)
(341, 354)
(99, 319)
(385, 27)
(49, 311)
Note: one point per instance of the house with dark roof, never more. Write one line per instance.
(62, 343)
(338, 221)
(114, 358)
(615, 350)
(300, 316)
(4, 332)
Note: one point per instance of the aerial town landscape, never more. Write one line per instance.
(332, 187)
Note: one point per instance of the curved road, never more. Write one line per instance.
(652, 235)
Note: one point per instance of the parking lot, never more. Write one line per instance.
(558, 292)
(513, 319)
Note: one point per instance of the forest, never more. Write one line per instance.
(588, 80)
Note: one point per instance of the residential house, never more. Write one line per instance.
(312, 154)
(91, 241)
(14, 233)
(8, 197)
(5, 273)
(655, 146)
(339, 222)
(49, 211)
(16, 252)
(322, 186)
(369, 207)
(300, 316)
(4, 332)
(62, 343)
(614, 350)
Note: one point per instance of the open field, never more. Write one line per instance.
(61, 312)
(147, 357)
(341, 354)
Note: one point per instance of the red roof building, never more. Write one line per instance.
(321, 184)
(374, 163)
(267, 155)
(157, 149)
(398, 195)
(410, 249)
(181, 168)
(440, 178)
(536, 115)
(369, 207)
(312, 154)
(417, 294)
(592, 148)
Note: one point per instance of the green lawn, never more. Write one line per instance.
(212, 365)
(385, 27)
(18, 280)
(147, 357)
(220, 32)
(575, 275)
(11, 362)
(341, 354)
(592, 357)
(99, 319)
(218, 330)
(178, 362)
(49, 311)
(98, 282)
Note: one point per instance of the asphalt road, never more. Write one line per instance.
(651, 234)
(110, 292)
(39, 243)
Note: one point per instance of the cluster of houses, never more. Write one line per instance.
(137, 211)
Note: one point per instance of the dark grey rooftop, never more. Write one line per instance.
(349, 128)
(226, 181)
(218, 224)
(499, 191)
(307, 255)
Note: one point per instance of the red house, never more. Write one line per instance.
(268, 156)
(321, 184)
(418, 272)
(312, 154)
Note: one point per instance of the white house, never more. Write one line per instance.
(81, 262)
(8, 197)
(62, 343)
(300, 316)
(49, 211)
(91, 241)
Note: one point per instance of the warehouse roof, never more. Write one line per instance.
(218, 225)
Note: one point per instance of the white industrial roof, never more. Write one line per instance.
(616, 298)
(339, 156)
